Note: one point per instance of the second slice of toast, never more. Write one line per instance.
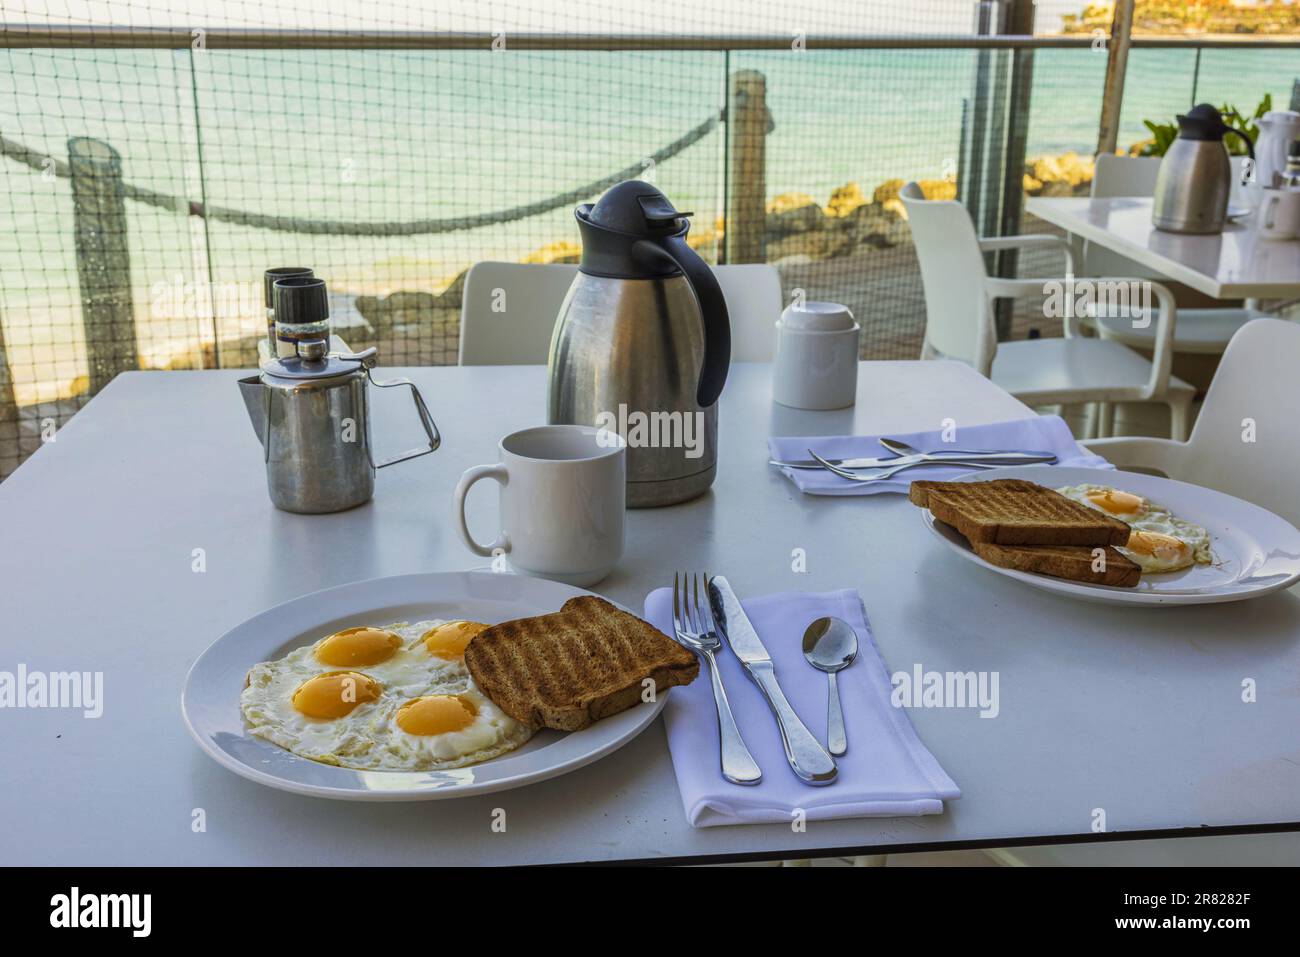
(1072, 562)
(1016, 512)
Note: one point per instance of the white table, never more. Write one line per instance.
(1134, 711)
(1234, 264)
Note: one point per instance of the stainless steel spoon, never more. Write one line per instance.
(830, 645)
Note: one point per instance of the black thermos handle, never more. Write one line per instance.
(1250, 147)
(713, 311)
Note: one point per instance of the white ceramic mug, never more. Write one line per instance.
(816, 365)
(563, 496)
(1278, 216)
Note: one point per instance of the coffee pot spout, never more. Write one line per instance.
(255, 395)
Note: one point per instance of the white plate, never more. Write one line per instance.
(210, 702)
(1238, 212)
(1255, 551)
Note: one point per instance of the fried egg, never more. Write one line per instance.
(396, 697)
(1159, 541)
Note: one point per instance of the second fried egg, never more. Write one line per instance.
(1159, 541)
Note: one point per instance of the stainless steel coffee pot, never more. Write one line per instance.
(642, 344)
(1195, 177)
(311, 412)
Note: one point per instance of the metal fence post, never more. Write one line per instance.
(1020, 22)
(103, 262)
(746, 200)
(8, 404)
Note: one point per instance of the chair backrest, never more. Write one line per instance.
(1124, 175)
(958, 324)
(508, 311)
(1119, 176)
(1246, 441)
(754, 304)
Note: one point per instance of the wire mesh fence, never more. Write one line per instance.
(145, 188)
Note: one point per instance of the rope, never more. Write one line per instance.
(322, 227)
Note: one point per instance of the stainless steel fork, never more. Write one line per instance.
(695, 628)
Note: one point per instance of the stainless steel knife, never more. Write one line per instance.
(808, 759)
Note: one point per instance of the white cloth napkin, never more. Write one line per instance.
(887, 771)
(1047, 433)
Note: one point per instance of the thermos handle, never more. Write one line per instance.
(1250, 149)
(430, 428)
(713, 311)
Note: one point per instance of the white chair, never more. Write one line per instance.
(508, 311)
(1254, 395)
(959, 298)
(1203, 331)
(753, 294)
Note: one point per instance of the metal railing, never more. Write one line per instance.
(59, 36)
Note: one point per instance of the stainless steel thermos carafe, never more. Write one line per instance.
(1195, 177)
(642, 344)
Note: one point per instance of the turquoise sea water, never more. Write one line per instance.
(390, 136)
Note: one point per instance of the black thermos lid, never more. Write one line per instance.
(300, 300)
(281, 272)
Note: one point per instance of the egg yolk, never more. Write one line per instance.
(335, 694)
(1114, 501)
(436, 714)
(1164, 547)
(449, 640)
(355, 647)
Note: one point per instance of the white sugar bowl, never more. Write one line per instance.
(816, 363)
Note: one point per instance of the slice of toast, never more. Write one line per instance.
(582, 663)
(1073, 562)
(1016, 512)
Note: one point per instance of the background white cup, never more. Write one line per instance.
(816, 365)
(563, 499)
(1278, 216)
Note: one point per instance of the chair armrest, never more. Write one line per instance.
(995, 243)
(1140, 450)
(999, 288)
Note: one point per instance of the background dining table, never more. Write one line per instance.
(1235, 264)
(1137, 714)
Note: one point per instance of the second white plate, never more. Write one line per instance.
(1255, 551)
(210, 702)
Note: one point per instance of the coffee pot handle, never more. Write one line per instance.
(713, 312)
(430, 428)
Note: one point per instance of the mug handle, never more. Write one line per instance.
(497, 472)
(1268, 215)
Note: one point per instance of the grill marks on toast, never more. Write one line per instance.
(583, 663)
(1017, 524)
(1017, 512)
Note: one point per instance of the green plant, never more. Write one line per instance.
(1163, 134)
